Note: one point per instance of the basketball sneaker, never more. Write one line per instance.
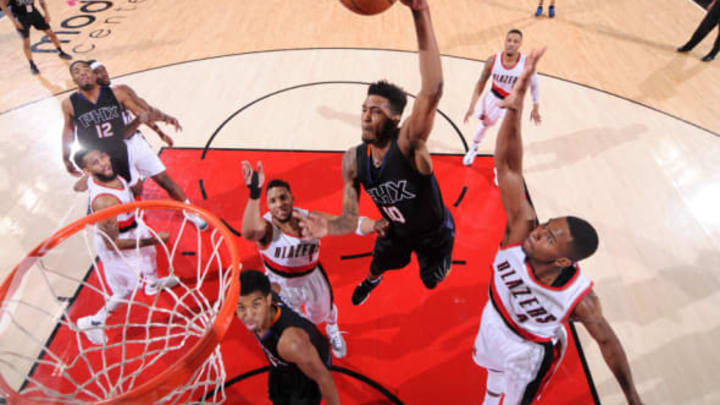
(33, 68)
(92, 330)
(538, 13)
(200, 223)
(165, 282)
(551, 11)
(362, 291)
(64, 55)
(337, 342)
(470, 155)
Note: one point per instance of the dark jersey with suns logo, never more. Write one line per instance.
(408, 199)
(100, 126)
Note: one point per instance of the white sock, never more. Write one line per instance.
(479, 134)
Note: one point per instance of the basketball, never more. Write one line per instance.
(367, 7)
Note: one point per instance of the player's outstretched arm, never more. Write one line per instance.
(294, 346)
(254, 227)
(416, 129)
(144, 113)
(145, 106)
(479, 87)
(68, 134)
(111, 230)
(589, 313)
(317, 226)
(508, 158)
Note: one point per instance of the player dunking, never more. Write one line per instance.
(536, 283)
(298, 353)
(23, 15)
(135, 254)
(394, 166)
(504, 67)
(95, 114)
(290, 261)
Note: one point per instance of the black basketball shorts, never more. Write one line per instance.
(292, 387)
(433, 251)
(34, 19)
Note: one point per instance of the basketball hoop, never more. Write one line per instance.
(161, 348)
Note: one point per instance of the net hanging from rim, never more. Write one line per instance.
(161, 342)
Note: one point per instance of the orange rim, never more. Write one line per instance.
(179, 373)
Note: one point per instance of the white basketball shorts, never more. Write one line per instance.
(312, 290)
(142, 160)
(527, 366)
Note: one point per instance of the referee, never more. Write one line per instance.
(23, 14)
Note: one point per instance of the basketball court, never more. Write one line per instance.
(626, 142)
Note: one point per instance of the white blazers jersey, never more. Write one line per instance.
(533, 310)
(289, 255)
(122, 195)
(503, 77)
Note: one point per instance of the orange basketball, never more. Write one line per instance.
(367, 7)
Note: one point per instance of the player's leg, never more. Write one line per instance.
(551, 9)
(706, 25)
(143, 261)
(25, 36)
(147, 164)
(435, 254)
(121, 281)
(488, 114)
(389, 253)
(55, 41)
(320, 307)
(716, 47)
(528, 371)
(486, 354)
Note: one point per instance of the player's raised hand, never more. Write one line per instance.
(248, 173)
(535, 115)
(254, 179)
(313, 225)
(515, 99)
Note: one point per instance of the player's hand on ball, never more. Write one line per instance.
(313, 226)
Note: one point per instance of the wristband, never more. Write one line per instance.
(358, 230)
(255, 190)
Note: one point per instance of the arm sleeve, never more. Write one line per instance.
(534, 88)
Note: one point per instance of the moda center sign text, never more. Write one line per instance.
(94, 21)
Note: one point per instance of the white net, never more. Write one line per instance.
(83, 320)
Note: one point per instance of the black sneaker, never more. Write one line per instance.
(63, 55)
(362, 291)
(34, 68)
(685, 48)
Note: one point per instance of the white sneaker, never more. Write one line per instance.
(200, 223)
(92, 330)
(337, 343)
(165, 282)
(470, 156)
